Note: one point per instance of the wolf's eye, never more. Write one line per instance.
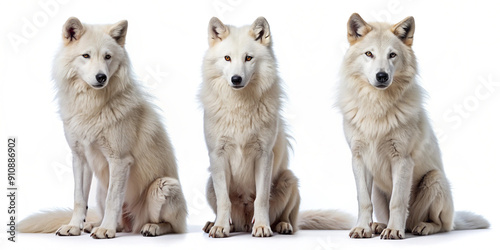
(86, 56)
(227, 58)
(392, 55)
(107, 57)
(369, 54)
(248, 58)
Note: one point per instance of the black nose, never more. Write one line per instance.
(101, 78)
(236, 80)
(382, 77)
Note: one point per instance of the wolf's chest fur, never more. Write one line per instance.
(88, 114)
(245, 130)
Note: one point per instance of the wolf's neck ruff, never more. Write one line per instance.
(372, 111)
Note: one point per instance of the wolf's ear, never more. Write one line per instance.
(72, 30)
(217, 31)
(404, 30)
(260, 31)
(118, 31)
(357, 28)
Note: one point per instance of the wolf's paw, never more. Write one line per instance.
(149, 230)
(68, 230)
(284, 228)
(219, 232)
(261, 231)
(360, 232)
(392, 234)
(421, 229)
(377, 228)
(208, 226)
(102, 233)
(88, 226)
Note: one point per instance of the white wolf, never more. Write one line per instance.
(394, 150)
(250, 181)
(115, 134)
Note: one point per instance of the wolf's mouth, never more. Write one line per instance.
(381, 86)
(98, 86)
(238, 87)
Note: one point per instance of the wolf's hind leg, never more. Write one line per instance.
(284, 203)
(165, 209)
(432, 209)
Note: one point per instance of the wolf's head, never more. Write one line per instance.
(237, 53)
(380, 52)
(93, 52)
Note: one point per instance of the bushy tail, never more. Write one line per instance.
(468, 220)
(49, 221)
(325, 220)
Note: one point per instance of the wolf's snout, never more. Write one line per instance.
(382, 77)
(236, 80)
(101, 78)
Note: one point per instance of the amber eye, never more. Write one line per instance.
(392, 55)
(369, 54)
(248, 58)
(86, 56)
(107, 57)
(227, 58)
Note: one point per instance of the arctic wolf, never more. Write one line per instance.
(114, 134)
(250, 187)
(394, 151)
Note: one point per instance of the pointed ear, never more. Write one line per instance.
(217, 31)
(260, 31)
(72, 30)
(118, 31)
(404, 30)
(357, 28)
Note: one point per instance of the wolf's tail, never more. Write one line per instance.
(325, 220)
(50, 220)
(468, 220)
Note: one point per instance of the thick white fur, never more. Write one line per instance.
(325, 220)
(250, 182)
(115, 135)
(395, 156)
(50, 220)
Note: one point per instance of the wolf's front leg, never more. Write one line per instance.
(263, 172)
(83, 178)
(218, 167)
(364, 181)
(119, 170)
(402, 171)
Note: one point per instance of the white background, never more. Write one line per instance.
(456, 43)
